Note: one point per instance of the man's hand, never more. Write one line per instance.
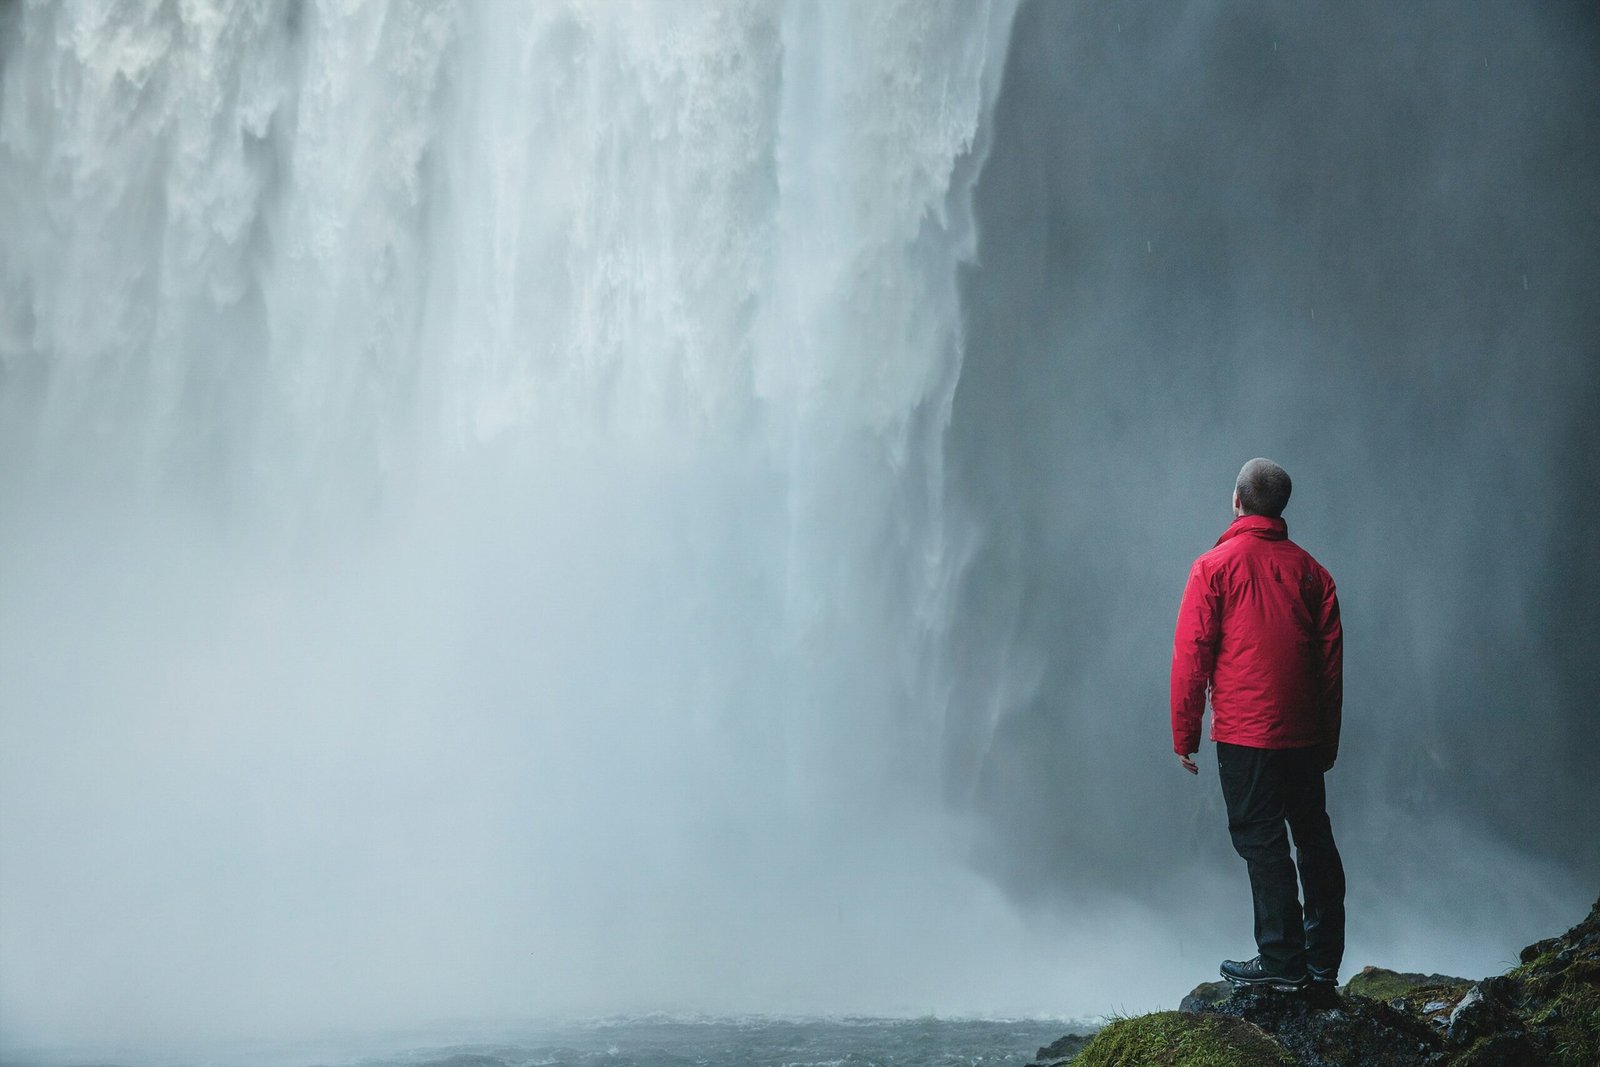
(1188, 763)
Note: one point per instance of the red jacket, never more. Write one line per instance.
(1259, 625)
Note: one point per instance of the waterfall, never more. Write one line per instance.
(474, 535)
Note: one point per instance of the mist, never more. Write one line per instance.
(473, 519)
(527, 512)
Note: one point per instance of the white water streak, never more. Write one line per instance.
(474, 472)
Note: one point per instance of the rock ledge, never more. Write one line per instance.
(1544, 1011)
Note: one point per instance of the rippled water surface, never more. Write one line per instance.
(758, 1043)
(649, 1041)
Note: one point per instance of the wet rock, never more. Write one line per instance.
(1205, 995)
(1539, 948)
(1061, 1050)
(1332, 1030)
(1544, 1011)
(1484, 1010)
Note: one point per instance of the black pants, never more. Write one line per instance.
(1265, 788)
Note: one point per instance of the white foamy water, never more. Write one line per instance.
(473, 525)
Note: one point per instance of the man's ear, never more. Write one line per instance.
(1236, 509)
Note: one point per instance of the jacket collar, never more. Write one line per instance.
(1262, 526)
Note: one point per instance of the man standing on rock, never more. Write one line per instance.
(1259, 627)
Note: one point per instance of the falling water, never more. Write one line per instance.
(474, 535)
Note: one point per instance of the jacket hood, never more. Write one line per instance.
(1263, 526)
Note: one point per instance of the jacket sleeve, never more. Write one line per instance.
(1330, 669)
(1194, 653)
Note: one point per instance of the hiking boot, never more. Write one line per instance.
(1252, 974)
(1323, 977)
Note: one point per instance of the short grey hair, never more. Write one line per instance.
(1263, 488)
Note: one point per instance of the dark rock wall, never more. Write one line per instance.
(1357, 238)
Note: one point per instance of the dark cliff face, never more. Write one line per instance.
(1356, 239)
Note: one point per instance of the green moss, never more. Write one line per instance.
(1379, 984)
(1181, 1039)
(1575, 1028)
(1537, 965)
(1491, 1051)
(1562, 1002)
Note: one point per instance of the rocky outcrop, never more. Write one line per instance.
(1175, 1037)
(1061, 1050)
(1544, 1011)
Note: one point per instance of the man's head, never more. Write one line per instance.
(1262, 489)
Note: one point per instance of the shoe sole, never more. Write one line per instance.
(1277, 985)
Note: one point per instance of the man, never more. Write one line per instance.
(1259, 627)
